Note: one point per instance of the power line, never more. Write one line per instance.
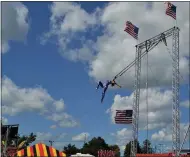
(60, 141)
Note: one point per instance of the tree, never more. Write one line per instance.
(70, 150)
(24, 141)
(127, 150)
(147, 143)
(93, 146)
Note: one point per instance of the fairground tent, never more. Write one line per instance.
(40, 149)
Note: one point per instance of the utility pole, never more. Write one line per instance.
(84, 138)
(51, 142)
(6, 141)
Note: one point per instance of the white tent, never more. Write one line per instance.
(84, 155)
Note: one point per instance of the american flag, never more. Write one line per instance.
(132, 29)
(123, 116)
(171, 10)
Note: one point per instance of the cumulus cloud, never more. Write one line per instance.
(123, 137)
(53, 126)
(165, 134)
(160, 106)
(185, 104)
(15, 24)
(43, 136)
(67, 19)
(114, 49)
(16, 100)
(63, 119)
(4, 120)
(81, 137)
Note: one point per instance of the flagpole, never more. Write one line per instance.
(176, 17)
(176, 22)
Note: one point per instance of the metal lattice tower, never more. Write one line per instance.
(147, 46)
(136, 102)
(175, 93)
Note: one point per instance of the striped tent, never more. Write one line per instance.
(40, 149)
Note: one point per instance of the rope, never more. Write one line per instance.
(147, 96)
(168, 50)
(153, 73)
(188, 129)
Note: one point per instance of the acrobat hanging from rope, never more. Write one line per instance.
(105, 87)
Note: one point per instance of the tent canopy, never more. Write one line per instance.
(40, 149)
(83, 155)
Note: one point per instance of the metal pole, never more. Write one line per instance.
(84, 138)
(6, 141)
(147, 99)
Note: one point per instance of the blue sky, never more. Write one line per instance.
(31, 65)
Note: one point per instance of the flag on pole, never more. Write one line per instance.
(123, 116)
(171, 10)
(132, 29)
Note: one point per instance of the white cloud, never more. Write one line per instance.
(165, 134)
(46, 136)
(160, 108)
(185, 104)
(81, 137)
(59, 105)
(63, 119)
(67, 19)
(115, 49)
(162, 135)
(61, 135)
(123, 137)
(43, 136)
(4, 120)
(122, 148)
(53, 126)
(16, 100)
(15, 24)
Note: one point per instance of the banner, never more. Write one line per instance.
(106, 153)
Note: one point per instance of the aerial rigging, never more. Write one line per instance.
(134, 33)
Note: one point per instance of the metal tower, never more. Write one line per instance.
(175, 93)
(136, 101)
(147, 46)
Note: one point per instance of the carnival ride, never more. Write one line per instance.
(143, 49)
